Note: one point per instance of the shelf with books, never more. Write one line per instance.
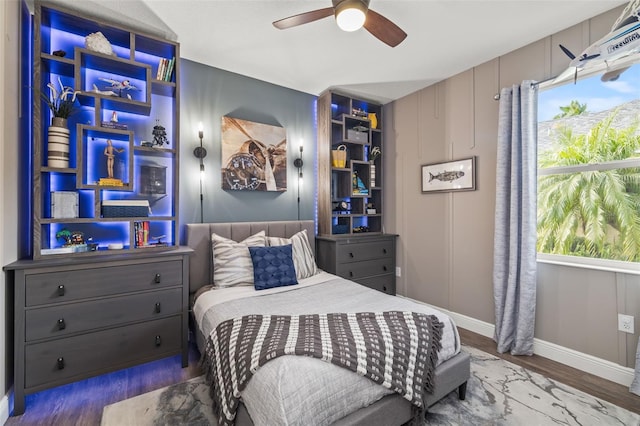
(114, 153)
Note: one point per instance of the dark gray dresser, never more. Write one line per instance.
(366, 259)
(78, 317)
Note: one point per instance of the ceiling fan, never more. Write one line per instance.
(350, 16)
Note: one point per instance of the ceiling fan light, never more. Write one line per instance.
(350, 16)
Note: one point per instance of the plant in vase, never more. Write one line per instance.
(373, 154)
(62, 105)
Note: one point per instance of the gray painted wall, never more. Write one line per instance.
(445, 247)
(208, 94)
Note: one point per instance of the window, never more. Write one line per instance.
(589, 169)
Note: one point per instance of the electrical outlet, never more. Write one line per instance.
(398, 271)
(625, 323)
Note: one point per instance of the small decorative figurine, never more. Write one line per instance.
(358, 186)
(115, 88)
(64, 235)
(159, 135)
(109, 152)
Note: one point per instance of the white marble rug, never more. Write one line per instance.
(498, 393)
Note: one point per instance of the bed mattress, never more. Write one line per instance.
(297, 390)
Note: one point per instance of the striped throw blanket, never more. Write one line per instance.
(397, 350)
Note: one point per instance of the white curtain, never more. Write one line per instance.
(514, 259)
(635, 385)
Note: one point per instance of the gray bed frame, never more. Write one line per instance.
(450, 376)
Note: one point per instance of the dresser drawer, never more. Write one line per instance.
(62, 320)
(368, 268)
(357, 252)
(63, 359)
(383, 283)
(79, 284)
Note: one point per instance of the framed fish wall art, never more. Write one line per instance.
(458, 175)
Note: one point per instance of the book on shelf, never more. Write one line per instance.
(125, 208)
(165, 69)
(154, 245)
(75, 248)
(169, 73)
(113, 125)
(144, 203)
(142, 236)
(160, 67)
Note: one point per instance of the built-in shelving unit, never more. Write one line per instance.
(128, 117)
(349, 193)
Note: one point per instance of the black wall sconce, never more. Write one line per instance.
(200, 152)
(298, 163)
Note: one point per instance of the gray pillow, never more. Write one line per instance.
(303, 259)
(232, 264)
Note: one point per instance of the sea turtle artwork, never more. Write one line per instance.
(446, 176)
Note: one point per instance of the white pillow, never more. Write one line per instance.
(303, 259)
(232, 264)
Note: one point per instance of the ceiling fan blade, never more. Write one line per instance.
(303, 18)
(383, 29)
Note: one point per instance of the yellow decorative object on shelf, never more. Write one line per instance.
(374, 120)
(110, 182)
(339, 157)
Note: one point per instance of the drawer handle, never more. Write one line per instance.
(350, 273)
(61, 324)
(351, 255)
(384, 268)
(158, 340)
(384, 250)
(61, 290)
(60, 363)
(157, 279)
(158, 308)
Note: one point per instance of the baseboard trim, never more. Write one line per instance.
(588, 363)
(4, 409)
(585, 362)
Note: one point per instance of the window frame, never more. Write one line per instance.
(581, 261)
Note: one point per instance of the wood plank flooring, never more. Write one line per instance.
(81, 403)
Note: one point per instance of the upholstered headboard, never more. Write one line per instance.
(198, 237)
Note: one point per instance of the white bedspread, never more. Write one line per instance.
(295, 390)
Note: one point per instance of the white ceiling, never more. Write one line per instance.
(445, 37)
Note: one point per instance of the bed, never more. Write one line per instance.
(298, 389)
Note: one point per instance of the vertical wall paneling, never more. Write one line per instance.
(446, 249)
(621, 286)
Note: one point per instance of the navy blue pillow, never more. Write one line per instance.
(272, 267)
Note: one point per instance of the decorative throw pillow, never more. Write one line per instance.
(231, 260)
(303, 258)
(272, 267)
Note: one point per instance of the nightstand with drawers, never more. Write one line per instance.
(80, 317)
(369, 260)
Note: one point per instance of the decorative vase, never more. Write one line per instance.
(58, 143)
(374, 120)
(372, 174)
